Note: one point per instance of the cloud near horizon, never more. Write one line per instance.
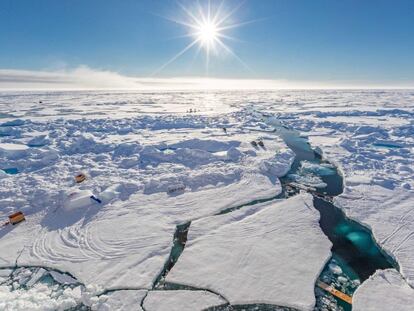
(86, 78)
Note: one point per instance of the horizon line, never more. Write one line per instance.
(84, 78)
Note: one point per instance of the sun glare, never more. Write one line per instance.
(208, 33)
(207, 27)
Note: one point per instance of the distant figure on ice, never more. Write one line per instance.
(224, 130)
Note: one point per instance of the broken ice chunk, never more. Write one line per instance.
(63, 278)
(36, 277)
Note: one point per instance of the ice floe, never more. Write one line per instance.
(121, 300)
(181, 300)
(272, 256)
(385, 290)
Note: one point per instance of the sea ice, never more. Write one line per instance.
(15, 122)
(39, 297)
(181, 300)
(385, 290)
(371, 204)
(13, 151)
(133, 156)
(62, 278)
(121, 300)
(273, 255)
(38, 141)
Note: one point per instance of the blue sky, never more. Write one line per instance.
(351, 41)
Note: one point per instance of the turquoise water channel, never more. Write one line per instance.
(355, 254)
(11, 170)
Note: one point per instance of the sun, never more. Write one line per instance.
(207, 26)
(208, 33)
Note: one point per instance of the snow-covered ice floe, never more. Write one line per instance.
(122, 300)
(272, 254)
(385, 290)
(154, 166)
(181, 300)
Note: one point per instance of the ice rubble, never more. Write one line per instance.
(272, 255)
(21, 290)
(37, 298)
(181, 300)
(40, 289)
(385, 290)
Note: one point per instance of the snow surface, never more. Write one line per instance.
(385, 290)
(131, 164)
(272, 256)
(181, 300)
(135, 147)
(122, 300)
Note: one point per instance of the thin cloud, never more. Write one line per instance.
(86, 78)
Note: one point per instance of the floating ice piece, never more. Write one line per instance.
(309, 180)
(63, 278)
(335, 268)
(301, 187)
(317, 169)
(272, 256)
(385, 290)
(280, 164)
(360, 239)
(36, 277)
(181, 300)
(39, 297)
